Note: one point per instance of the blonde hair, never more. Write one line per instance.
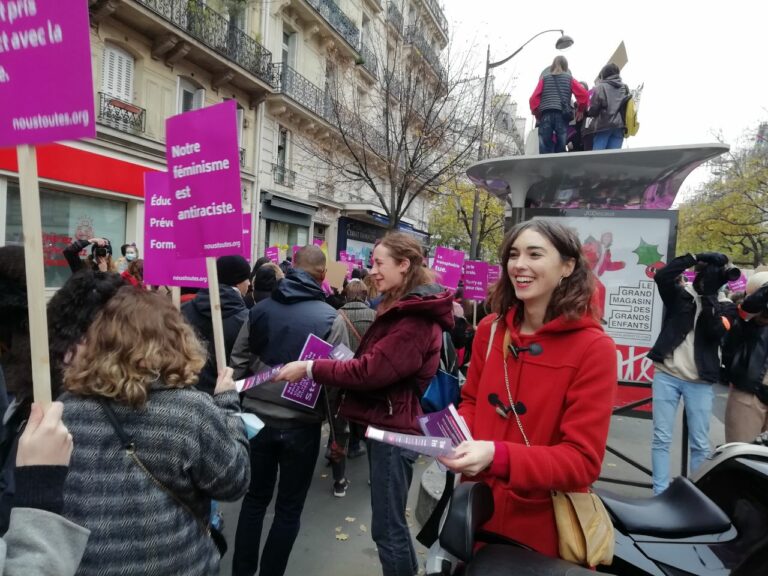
(137, 339)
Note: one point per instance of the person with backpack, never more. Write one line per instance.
(551, 104)
(383, 384)
(607, 107)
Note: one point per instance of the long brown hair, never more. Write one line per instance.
(137, 339)
(573, 296)
(401, 247)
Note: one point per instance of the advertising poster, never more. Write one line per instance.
(624, 249)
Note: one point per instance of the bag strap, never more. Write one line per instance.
(430, 532)
(494, 325)
(352, 326)
(130, 449)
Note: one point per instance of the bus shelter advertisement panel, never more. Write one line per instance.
(624, 250)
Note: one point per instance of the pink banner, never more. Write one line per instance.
(739, 285)
(46, 87)
(494, 273)
(204, 170)
(273, 253)
(475, 280)
(161, 266)
(246, 252)
(448, 264)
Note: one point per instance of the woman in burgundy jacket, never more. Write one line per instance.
(383, 384)
(539, 392)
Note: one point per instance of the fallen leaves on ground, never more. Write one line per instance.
(341, 536)
(349, 519)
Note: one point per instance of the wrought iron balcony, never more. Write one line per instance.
(216, 32)
(437, 13)
(369, 60)
(283, 176)
(338, 20)
(289, 82)
(415, 37)
(395, 17)
(121, 115)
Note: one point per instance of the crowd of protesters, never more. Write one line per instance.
(119, 475)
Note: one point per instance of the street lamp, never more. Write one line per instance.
(563, 42)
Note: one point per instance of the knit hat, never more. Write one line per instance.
(232, 270)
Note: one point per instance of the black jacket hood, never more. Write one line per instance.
(231, 302)
(298, 286)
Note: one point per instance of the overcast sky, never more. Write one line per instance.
(703, 63)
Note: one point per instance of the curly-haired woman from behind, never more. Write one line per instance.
(139, 360)
(539, 392)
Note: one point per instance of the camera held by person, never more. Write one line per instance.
(713, 269)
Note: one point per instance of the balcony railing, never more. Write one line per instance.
(369, 60)
(283, 176)
(395, 17)
(338, 20)
(289, 82)
(415, 37)
(437, 12)
(121, 115)
(216, 32)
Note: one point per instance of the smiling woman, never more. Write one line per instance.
(543, 365)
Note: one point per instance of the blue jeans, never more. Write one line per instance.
(294, 452)
(391, 471)
(697, 401)
(552, 123)
(608, 139)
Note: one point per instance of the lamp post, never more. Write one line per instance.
(562, 43)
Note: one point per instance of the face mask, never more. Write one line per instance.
(130, 257)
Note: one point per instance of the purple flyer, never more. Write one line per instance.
(475, 280)
(306, 391)
(427, 445)
(258, 379)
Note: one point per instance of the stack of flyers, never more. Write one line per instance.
(446, 423)
(427, 445)
(342, 352)
(257, 379)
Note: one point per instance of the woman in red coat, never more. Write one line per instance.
(550, 360)
(383, 384)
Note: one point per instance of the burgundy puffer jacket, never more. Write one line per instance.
(395, 362)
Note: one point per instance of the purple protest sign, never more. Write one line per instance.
(246, 248)
(494, 273)
(475, 280)
(739, 285)
(294, 250)
(204, 169)
(273, 253)
(161, 266)
(448, 264)
(306, 391)
(45, 44)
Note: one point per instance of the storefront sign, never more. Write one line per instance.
(46, 88)
(204, 171)
(448, 264)
(161, 265)
(475, 280)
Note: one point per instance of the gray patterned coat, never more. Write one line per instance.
(193, 443)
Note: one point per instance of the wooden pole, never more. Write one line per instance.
(33, 259)
(176, 297)
(474, 313)
(218, 325)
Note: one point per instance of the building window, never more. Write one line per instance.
(191, 96)
(284, 234)
(289, 47)
(117, 72)
(282, 147)
(65, 217)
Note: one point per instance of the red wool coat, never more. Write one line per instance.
(568, 392)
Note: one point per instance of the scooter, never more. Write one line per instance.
(714, 524)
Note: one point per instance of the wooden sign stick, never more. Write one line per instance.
(218, 325)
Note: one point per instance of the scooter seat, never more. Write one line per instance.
(502, 560)
(681, 511)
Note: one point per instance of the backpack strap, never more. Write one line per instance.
(490, 340)
(352, 326)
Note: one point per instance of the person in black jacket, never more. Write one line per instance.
(100, 259)
(686, 355)
(745, 357)
(607, 107)
(234, 279)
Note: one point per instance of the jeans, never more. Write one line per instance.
(294, 452)
(697, 400)
(552, 123)
(608, 139)
(391, 471)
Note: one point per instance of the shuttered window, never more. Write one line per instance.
(117, 73)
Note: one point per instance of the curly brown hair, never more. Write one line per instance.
(573, 296)
(136, 340)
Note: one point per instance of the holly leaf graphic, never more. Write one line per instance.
(647, 254)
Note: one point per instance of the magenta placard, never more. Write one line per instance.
(306, 391)
(448, 264)
(739, 285)
(247, 237)
(494, 273)
(294, 250)
(273, 253)
(204, 171)
(46, 87)
(161, 265)
(475, 280)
